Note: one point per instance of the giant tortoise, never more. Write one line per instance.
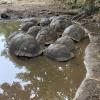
(67, 42)
(45, 21)
(24, 45)
(46, 35)
(58, 52)
(75, 32)
(33, 31)
(25, 26)
(60, 22)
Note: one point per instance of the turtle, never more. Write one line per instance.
(74, 32)
(67, 42)
(33, 31)
(45, 21)
(60, 23)
(25, 26)
(46, 35)
(12, 35)
(24, 45)
(58, 52)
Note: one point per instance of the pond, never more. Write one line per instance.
(39, 78)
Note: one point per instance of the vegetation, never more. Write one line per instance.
(88, 7)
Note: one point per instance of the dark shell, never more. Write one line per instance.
(75, 32)
(25, 26)
(60, 23)
(24, 45)
(33, 31)
(46, 35)
(12, 35)
(45, 22)
(67, 42)
(58, 52)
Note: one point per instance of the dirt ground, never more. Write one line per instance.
(22, 9)
(19, 9)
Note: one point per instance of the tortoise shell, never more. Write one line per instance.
(60, 23)
(46, 35)
(24, 45)
(67, 42)
(33, 31)
(58, 52)
(75, 32)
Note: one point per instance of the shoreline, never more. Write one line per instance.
(90, 87)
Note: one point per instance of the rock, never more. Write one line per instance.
(89, 90)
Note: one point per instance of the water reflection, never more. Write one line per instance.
(7, 68)
(39, 78)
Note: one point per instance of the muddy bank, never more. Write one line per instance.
(90, 87)
(26, 9)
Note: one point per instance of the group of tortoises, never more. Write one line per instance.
(36, 37)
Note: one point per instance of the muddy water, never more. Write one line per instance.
(39, 78)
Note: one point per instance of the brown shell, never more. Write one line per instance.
(24, 45)
(67, 42)
(60, 23)
(58, 52)
(25, 26)
(46, 35)
(33, 31)
(44, 21)
(75, 32)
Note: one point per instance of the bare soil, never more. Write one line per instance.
(22, 9)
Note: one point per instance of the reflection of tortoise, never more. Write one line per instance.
(58, 52)
(67, 42)
(24, 45)
(25, 26)
(46, 35)
(75, 32)
(33, 31)
(60, 23)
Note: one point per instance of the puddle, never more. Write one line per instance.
(39, 78)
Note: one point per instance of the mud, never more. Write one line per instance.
(90, 87)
